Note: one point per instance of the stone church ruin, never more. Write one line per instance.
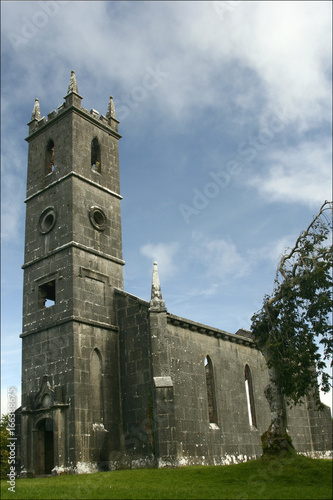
(110, 380)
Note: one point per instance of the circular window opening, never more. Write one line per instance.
(97, 218)
(47, 220)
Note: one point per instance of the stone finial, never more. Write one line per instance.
(156, 286)
(156, 302)
(111, 113)
(72, 87)
(36, 111)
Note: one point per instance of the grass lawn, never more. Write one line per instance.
(297, 477)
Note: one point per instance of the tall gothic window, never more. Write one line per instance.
(96, 385)
(210, 391)
(95, 156)
(249, 396)
(49, 166)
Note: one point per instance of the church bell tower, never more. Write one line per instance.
(73, 262)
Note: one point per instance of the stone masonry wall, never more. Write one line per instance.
(48, 353)
(183, 433)
(73, 261)
(96, 404)
(198, 440)
(135, 379)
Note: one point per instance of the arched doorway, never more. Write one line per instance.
(45, 446)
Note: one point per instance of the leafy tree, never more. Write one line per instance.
(4, 435)
(293, 329)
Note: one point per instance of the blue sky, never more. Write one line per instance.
(225, 111)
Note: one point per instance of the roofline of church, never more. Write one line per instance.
(210, 331)
(122, 292)
(239, 338)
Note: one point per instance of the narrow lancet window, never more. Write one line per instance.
(95, 156)
(96, 386)
(210, 391)
(49, 157)
(249, 397)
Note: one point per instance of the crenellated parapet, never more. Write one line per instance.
(73, 100)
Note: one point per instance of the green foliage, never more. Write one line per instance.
(273, 445)
(4, 435)
(293, 478)
(293, 328)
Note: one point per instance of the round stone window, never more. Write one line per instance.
(97, 218)
(47, 220)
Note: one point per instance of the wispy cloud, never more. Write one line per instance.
(272, 43)
(12, 191)
(220, 257)
(299, 174)
(164, 254)
(271, 251)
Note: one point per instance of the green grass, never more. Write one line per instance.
(297, 477)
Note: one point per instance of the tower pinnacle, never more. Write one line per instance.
(111, 113)
(72, 87)
(36, 111)
(156, 301)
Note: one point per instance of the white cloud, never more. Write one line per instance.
(220, 257)
(275, 249)
(12, 191)
(164, 254)
(286, 45)
(299, 174)
(223, 259)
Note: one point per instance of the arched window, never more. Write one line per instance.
(96, 400)
(249, 396)
(95, 156)
(49, 166)
(210, 391)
